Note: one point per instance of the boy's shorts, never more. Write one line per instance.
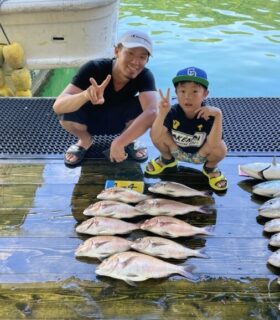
(181, 155)
(105, 119)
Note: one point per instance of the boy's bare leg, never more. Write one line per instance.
(164, 145)
(214, 154)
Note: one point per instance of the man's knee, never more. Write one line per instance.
(70, 125)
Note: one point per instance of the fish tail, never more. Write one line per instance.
(201, 253)
(209, 230)
(138, 225)
(208, 194)
(186, 272)
(206, 209)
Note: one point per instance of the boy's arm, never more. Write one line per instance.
(164, 106)
(216, 134)
(158, 128)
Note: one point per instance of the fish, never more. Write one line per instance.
(274, 258)
(113, 209)
(262, 170)
(105, 226)
(272, 225)
(167, 207)
(101, 247)
(172, 227)
(271, 208)
(132, 266)
(275, 240)
(175, 189)
(165, 248)
(268, 188)
(122, 194)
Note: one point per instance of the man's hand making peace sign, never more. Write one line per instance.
(95, 92)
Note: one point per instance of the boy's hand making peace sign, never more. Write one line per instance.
(164, 104)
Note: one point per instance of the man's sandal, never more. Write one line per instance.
(133, 148)
(158, 168)
(215, 181)
(78, 151)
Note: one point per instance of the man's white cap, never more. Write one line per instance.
(136, 38)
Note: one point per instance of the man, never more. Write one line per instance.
(111, 96)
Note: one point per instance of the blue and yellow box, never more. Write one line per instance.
(134, 185)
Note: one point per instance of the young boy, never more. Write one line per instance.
(189, 131)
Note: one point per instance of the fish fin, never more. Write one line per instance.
(130, 282)
(164, 223)
(106, 205)
(92, 223)
(261, 173)
(99, 244)
(120, 190)
(127, 261)
(163, 213)
(169, 235)
(158, 243)
(101, 258)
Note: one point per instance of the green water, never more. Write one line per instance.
(236, 42)
(57, 81)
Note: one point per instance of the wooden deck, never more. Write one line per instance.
(40, 278)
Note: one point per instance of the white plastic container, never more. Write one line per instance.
(60, 33)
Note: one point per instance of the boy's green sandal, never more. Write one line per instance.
(218, 183)
(159, 167)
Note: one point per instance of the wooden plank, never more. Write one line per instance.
(92, 172)
(72, 299)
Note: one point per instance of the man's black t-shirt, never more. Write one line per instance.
(119, 107)
(100, 68)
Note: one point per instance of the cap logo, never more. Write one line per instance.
(141, 38)
(191, 72)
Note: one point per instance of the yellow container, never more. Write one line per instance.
(23, 93)
(6, 92)
(2, 78)
(14, 55)
(21, 79)
(1, 55)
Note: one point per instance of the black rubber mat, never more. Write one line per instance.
(30, 129)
